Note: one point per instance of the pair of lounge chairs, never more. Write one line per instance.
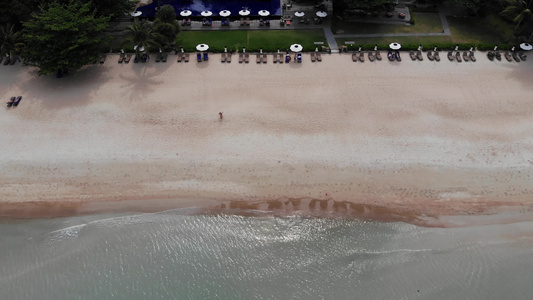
(124, 58)
(14, 101)
(494, 54)
(358, 56)
(392, 56)
(433, 56)
(416, 55)
(10, 60)
(244, 57)
(224, 22)
(261, 58)
(161, 57)
(186, 22)
(277, 58)
(245, 21)
(199, 57)
(183, 57)
(225, 57)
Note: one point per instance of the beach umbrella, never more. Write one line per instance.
(185, 13)
(206, 13)
(321, 14)
(202, 47)
(263, 13)
(395, 46)
(224, 13)
(136, 13)
(244, 12)
(225, 49)
(299, 14)
(296, 48)
(526, 46)
(512, 49)
(375, 48)
(141, 49)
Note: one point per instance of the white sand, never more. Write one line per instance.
(424, 137)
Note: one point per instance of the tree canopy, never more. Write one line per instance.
(166, 27)
(63, 36)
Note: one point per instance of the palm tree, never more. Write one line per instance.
(10, 41)
(141, 34)
(518, 11)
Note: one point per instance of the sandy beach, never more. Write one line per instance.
(405, 140)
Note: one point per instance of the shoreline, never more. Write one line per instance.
(393, 141)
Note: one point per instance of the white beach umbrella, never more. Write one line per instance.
(244, 12)
(296, 48)
(376, 48)
(202, 47)
(206, 13)
(136, 13)
(185, 13)
(395, 46)
(321, 14)
(141, 49)
(299, 14)
(263, 13)
(526, 46)
(224, 13)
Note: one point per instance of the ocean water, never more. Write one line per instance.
(181, 254)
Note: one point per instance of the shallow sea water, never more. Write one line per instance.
(180, 254)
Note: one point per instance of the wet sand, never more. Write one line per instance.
(410, 139)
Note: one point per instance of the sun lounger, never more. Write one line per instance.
(391, 56)
(13, 60)
(10, 102)
(16, 103)
(164, 57)
(280, 58)
(397, 55)
(371, 56)
(246, 58)
(378, 55)
(436, 55)
(288, 22)
(419, 55)
(265, 58)
(450, 55)
(241, 58)
(516, 57)
(430, 56)
(361, 57)
(198, 57)
(223, 57)
(412, 55)
(508, 56)
(498, 55)
(313, 57)
(242, 21)
(287, 58)
(102, 59)
(522, 55)
(120, 58)
(127, 58)
(206, 56)
(258, 58)
(319, 56)
(158, 57)
(186, 57)
(458, 56)
(247, 21)
(354, 57)
(490, 55)
(275, 58)
(299, 57)
(471, 56)
(7, 61)
(465, 56)
(228, 57)
(180, 57)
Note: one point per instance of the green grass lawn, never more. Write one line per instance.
(269, 40)
(489, 30)
(424, 22)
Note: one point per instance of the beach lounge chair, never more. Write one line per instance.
(436, 55)
(354, 57)
(275, 58)
(412, 55)
(361, 57)
(319, 56)
(471, 56)
(490, 55)
(522, 55)
(7, 61)
(120, 58)
(186, 57)
(180, 57)
(313, 57)
(242, 21)
(246, 58)
(189, 22)
(258, 58)
(287, 58)
(299, 57)
(223, 57)
(516, 57)
(127, 58)
(265, 58)
(10, 102)
(198, 57)
(288, 22)
(228, 57)
(430, 56)
(498, 55)
(508, 56)
(397, 56)
(247, 21)
(465, 56)
(102, 59)
(419, 55)
(450, 55)
(378, 55)
(164, 57)
(371, 56)
(391, 56)
(13, 60)
(458, 56)
(158, 57)
(241, 58)
(280, 58)
(206, 56)
(16, 103)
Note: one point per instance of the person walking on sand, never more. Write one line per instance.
(220, 114)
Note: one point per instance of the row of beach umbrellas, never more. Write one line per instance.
(244, 12)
